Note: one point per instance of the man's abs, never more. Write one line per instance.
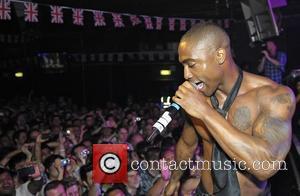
(248, 184)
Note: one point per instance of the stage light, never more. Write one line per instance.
(165, 72)
(19, 74)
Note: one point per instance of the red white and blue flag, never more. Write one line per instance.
(148, 22)
(56, 14)
(78, 17)
(118, 21)
(99, 18)
(31, 12)
(135, 20)
(171, 24)
(182, 24)
(5, 10)
(158, 23)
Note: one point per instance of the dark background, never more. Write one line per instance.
(94, 83)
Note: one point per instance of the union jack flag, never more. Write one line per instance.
(99, 18)
(5, 10)
(118, 21)
(78, 17)
(56, 14)
(148, 22)
(31, 12)
(159, 23)
(171, 24)
(182, 24)
(135, 20)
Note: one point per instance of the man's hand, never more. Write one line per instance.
(59, 168)
(191, 100)
(172, 188)
(40, 140)
(265, 53)
(25, 150)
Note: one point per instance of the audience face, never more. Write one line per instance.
(56, 129)
(123, 135)
(107, 132)
(88, 144)
(54, 169)
(169, 155)
(133, 156)
(33, 135)
(45, 153)
(58, 191)
(116, 192)
(271, 47)
(133, 179)
(90, 121)
(137, 138)
(79, 153)
(21, 139)
(6, 184)
(148, 130)
(73, 190)
(21, 121)
(56, 121)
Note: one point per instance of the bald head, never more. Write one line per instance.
(204, 52)
(206, 36)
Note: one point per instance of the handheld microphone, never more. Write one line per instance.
(162, 123)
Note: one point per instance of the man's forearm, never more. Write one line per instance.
(184, 152)
(273, 61)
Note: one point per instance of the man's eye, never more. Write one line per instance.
(192, 65)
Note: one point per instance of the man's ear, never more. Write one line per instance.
(220, 55)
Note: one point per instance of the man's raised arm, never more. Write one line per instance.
(185, 149)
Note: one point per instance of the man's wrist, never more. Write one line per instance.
(208, 113)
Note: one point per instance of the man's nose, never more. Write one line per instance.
(187, 73)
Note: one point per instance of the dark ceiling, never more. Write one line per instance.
(176, 8)
(68, 37)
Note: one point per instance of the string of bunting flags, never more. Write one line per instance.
(54, 60)
(100, 18)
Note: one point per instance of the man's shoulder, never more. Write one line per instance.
(273, 89)
(277, 100)
(265, 87)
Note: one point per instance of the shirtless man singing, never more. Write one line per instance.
(256, 128)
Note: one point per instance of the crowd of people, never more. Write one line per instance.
(45, 147)
(55, 138)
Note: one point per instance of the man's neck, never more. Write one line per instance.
(231, 74)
